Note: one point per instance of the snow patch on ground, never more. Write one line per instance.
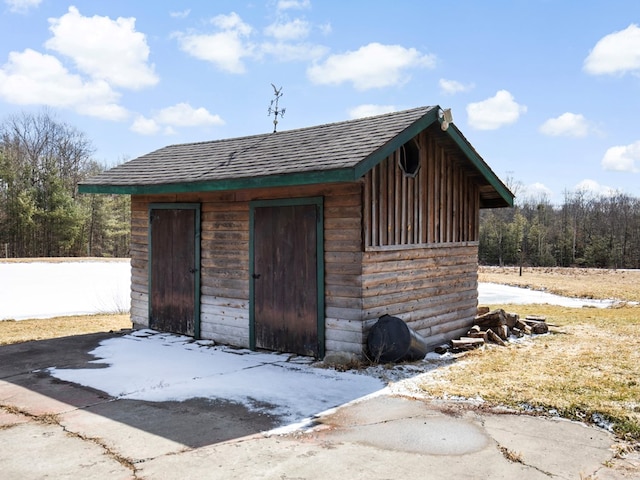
(497, 294)
(158, 367)
(45, 290)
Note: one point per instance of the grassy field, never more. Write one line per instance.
(26, 330)
(587, 368)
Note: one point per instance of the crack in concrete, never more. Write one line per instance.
(509, 454)
(53, 419)
(514, 457)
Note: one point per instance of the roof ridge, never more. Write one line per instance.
(426, 108)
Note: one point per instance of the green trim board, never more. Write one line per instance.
(396, 142)
(301, 178)
(479, 163)
(196, 299)
(285, 202)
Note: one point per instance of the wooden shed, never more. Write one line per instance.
(298, 241)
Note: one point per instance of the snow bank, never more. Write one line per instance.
(44, 290)
(496, 294)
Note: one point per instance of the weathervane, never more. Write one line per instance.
(273, 107)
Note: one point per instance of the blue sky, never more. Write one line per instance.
(547, 91)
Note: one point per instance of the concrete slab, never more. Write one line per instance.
(8, 419)
(97, 436)
(391, 437)
(36, 451)
(144, 430)
(313, 457)
(65, 352)
(39, 394)
(559, 447)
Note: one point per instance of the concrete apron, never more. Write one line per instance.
(55, 429)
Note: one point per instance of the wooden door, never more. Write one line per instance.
(285, 278)
(173, 270)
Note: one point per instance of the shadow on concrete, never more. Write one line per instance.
(193, 423)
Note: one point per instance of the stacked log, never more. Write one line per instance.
(496, 327)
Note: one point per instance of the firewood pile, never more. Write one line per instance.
(496, 327)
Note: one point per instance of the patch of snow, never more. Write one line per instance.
(158, 367)
(497, 294)
(602, 422)
(45, 290)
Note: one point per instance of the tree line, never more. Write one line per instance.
(41, 213)
(586, 230)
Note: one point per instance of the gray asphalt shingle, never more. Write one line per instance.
(331, 146)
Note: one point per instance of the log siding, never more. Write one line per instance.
(434, 288)
(224, 302)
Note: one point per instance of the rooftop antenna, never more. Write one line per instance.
(273, 107)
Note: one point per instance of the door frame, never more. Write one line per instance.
(196, 300)
(318, 202)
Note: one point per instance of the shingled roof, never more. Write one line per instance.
(335, 152)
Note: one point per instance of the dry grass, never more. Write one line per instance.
(62, 259)
(587, 368)
(42, 329)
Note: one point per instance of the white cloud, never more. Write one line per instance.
(495, 112)
(325, 28)
(232, 22)
(293, 4)
(591, 186)
(226, 48)
(285, 48)
(181, 14)
(229, 48)
(179, 115)
(21, 6)
(451, 87)
(286, 52)
(33, 78)
(534, 192)
(623, 158)
(616, 53)
(566, 125)
(184, 115)
(369, 110)
(110, 50)
(372, 66)
(292, 30)
(144, 126)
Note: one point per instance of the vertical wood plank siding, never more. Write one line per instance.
(437, 206)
